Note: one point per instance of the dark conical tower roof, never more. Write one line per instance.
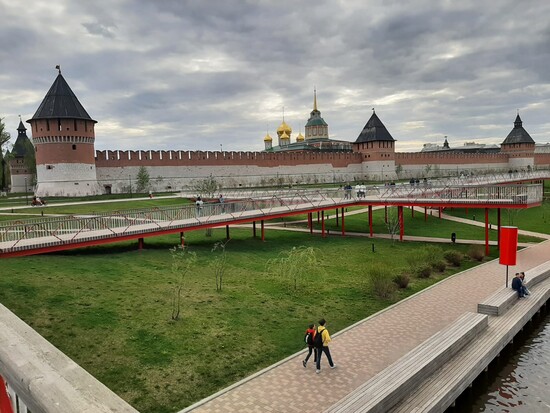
(374, 130)
(22, 144)
(60, 102)
(518, 134)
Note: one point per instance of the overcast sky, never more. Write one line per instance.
(174, 74)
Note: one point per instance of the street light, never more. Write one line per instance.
(26, 192)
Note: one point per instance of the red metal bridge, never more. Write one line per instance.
(48, 234)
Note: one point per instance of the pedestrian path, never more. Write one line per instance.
(366, 348)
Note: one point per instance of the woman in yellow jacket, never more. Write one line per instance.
(326, 340)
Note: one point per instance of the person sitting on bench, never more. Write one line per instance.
(517, 285)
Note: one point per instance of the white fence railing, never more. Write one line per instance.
(42, 233)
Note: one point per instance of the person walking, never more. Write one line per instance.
(198, 204)
(322, 345)
(310, 340)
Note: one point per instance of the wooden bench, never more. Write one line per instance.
(397, 381)
(441, 389)
(498, 303)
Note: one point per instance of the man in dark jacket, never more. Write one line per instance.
(517, 285)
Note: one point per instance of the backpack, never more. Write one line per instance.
(308, 338)
(318, 339)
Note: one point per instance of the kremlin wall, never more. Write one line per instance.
(67, 164)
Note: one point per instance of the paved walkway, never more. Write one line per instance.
(367, 347)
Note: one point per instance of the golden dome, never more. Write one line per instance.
(284, 128)
(285, 136)
(268, 138)
(300, 137)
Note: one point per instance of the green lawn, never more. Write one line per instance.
(108, 308)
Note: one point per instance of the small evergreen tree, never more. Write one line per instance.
(142, 179)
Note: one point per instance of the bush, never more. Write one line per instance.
(401, 280)
(476, 252)
(381, 283)
(439, 265)
(453, 257)
(423, 271)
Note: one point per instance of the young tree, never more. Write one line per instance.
(392, 223)
(142, 179)
(220, 263)
(294, 264)
(207, 187)
(182, 263)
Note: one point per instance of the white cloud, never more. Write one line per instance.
(173, 75)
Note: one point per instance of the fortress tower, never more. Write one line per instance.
(63, 136)
(378, 149)
(22, 168)
(519, 146)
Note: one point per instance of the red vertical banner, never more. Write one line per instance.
(508, 245)
(5, 403)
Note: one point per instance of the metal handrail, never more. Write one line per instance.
(71, 229)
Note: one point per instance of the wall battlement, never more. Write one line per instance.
(116, 158)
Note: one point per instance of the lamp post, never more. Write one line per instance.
(26, 193)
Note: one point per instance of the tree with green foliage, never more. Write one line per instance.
(182, 263)
(294, 264)
(142, 179)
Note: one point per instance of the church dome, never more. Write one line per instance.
(268, 138)
(300, 137)
(284, 128)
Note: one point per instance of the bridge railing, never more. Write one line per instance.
(490, 194)
(57, 230)
(42, 232)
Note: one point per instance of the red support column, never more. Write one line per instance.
(370, 219)
(182, 240)
(254, 229)
(323, 224)
(317, 216)
(337, 217)
(439, 212)
(310, 222)
(412, 211)
(486, 231)
(425, 213)
(227, 232)
(498, 228)
(401, 222)
(343, 223)
(386, 214)
(5, 403)
(263, 230)
(140, 243)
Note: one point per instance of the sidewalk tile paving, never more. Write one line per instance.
(369, 346)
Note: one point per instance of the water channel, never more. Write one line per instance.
(519, 380)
